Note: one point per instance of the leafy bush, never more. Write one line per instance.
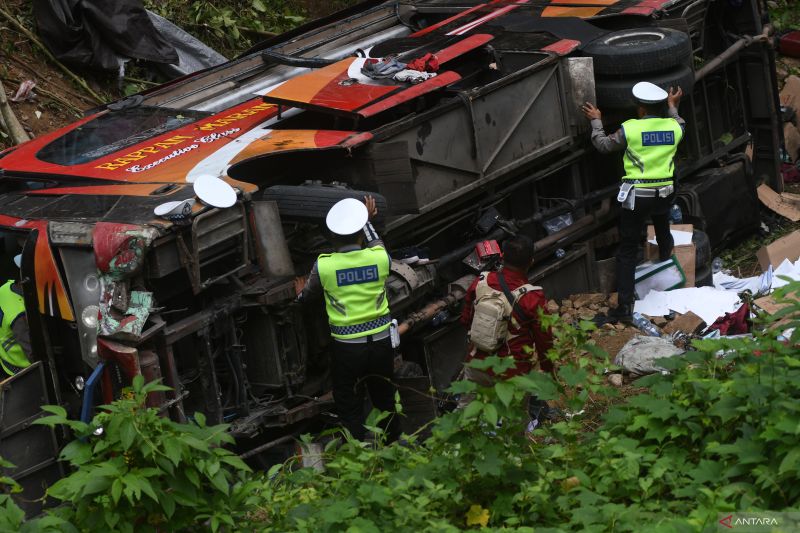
(144, 472)
(231, 26)
(715, 435)
(718, 434)
(11, 516)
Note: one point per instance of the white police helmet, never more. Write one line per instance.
(347, 217)
(649, 93)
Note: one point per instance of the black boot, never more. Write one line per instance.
(623, 312)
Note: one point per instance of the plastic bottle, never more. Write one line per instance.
(560, 253)
(675, 214)
(645, 325)
(716, 265)
(440, 318)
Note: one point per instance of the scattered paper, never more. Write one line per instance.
(756, 284)
(680, 237)
(786, 269)
(708, 303)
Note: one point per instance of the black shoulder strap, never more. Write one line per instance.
(515, 308)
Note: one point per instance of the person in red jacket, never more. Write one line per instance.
(527, 342)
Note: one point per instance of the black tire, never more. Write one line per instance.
(702, 258)
(616, 94)
(704, 278)
(311, 203)
(639, 51)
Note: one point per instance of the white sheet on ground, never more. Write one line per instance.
(680, 237)
(756, 284)
(708, 303)
(788, 269)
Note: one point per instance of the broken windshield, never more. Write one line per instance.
(114, 131)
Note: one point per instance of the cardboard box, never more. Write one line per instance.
(784, 206)
(685, 253)
(790, 95)
(791, 140)
(787, 247)
(770, 307)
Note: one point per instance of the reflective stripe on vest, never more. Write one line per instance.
(11, 354)
(650, 152)
(355, 295)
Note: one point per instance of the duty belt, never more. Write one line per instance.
(651, 192)
(367, 338)
(361, 328)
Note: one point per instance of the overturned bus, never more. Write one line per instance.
(493, 144)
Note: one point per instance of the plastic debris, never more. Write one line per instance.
(25, 91)
(640, 354)
(413, 76)
(645, 326)
(382, 68)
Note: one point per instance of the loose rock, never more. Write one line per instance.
(585, 300)
(552, 306)
(615, 380)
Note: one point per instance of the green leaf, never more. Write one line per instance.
(573, 376)
(138, 383)
(191, 474)
(461, 387)
(490, 464)
(274, 469)
(236, 462)
(258, 5)
(505, 392)
(147, 488)
(472, 409)
(790, 461)
(116, 490)
(56, 410)
(51, 421)
(537, 382)
(127, 434)
(77, 452)
(220, 483)
(167, 503)
(96, 483)
(200, 418)
(490, 414)
(172, 449)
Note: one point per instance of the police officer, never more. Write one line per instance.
(648, 190)
(352, 281)
(14, 333)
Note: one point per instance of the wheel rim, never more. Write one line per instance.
(635, 39)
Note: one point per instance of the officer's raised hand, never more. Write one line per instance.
(674, 98)
(372, 207)
(591, 112)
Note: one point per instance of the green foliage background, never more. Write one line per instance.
(718, 434)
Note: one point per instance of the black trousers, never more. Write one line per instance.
(631, 228)
(359, 366)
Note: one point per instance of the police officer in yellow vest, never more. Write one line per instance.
(14, 333)
(650, 143)
(352, 282)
